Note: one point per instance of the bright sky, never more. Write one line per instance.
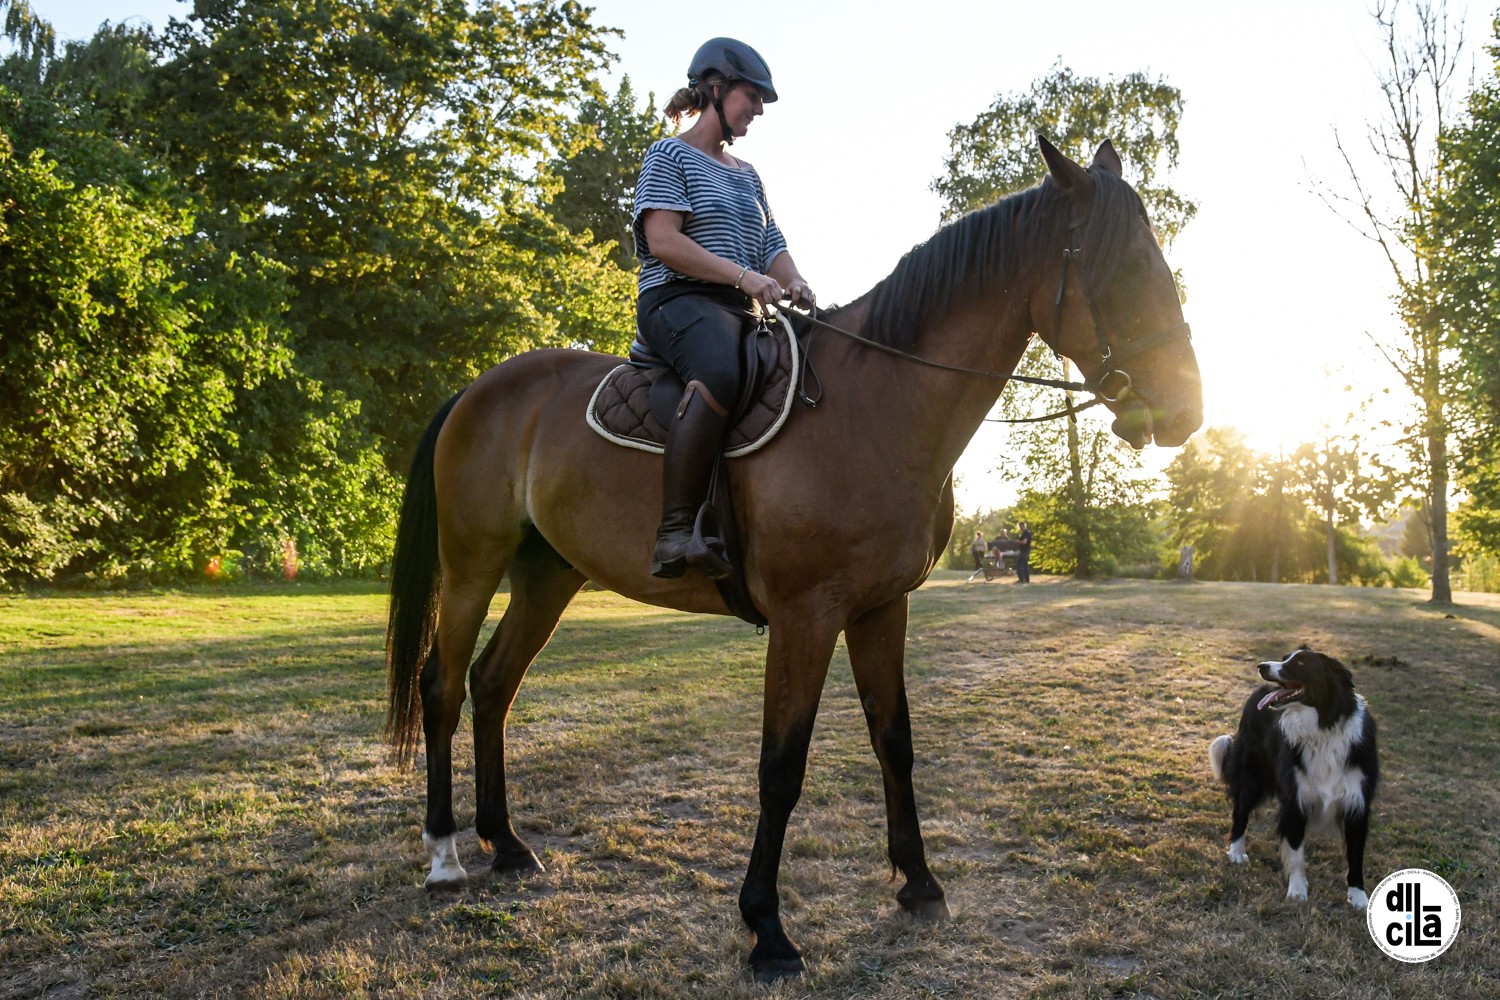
(1282, 292)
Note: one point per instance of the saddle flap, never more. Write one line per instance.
(634, 406)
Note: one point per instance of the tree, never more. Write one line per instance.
(1422, 53)
(242, 262)
(1211, 482)
(1462, 240)
(385, 151)
(994, 156)
(598, 179)
(1344, 481)
(1248, 515)
(126, 336)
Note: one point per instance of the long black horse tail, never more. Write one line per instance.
(415, 577)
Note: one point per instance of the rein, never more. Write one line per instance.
(1053, 383)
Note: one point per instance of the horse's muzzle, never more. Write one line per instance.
(1138, 424)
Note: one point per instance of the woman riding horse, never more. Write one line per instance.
(843, 515)
(711, 258)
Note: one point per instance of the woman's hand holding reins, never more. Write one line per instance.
(798, 293)
(762, 288)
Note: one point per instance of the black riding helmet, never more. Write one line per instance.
(734, 60)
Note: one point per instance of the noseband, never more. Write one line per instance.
(1114, 384)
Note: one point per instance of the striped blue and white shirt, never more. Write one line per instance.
(725, 208)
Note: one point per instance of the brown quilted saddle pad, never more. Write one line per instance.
(633, 405)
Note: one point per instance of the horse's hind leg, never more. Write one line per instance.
(463, 603)
(877, 646)
(541, 585)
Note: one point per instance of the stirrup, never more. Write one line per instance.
(706, 552)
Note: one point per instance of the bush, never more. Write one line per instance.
(1406, 572)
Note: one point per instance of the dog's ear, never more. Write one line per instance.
(1338, 668)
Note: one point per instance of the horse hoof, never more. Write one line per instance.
(446, 882)
(521, 862)
(447, 874)
(772, 970)
(935, 910)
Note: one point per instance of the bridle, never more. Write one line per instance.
(1113, 385)
(1112, 356)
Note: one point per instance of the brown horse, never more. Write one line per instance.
(842, 515)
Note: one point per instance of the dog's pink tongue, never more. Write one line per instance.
(1277, 693)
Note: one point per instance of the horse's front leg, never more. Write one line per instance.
(796, 665)
(877, 649)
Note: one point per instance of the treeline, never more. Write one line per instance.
(243, 258)
(1324, 513)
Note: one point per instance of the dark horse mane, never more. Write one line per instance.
(1000, 246)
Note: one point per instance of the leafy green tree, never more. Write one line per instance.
(126, 334)
(995, 155)
(385, 151)
(1248, 516)
(1462, 240)
(1211, 485)
(1421, 55)
(598, 178)
(1344, 481)
(243, 260)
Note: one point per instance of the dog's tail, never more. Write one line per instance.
(1217, 751)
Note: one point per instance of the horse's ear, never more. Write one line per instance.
(1106, 157)
(1068, 175)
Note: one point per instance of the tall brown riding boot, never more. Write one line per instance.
(693, 442)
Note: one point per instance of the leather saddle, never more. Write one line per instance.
(634, 404)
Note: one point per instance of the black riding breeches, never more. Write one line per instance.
(696, 329)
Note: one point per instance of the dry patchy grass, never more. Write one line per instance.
(196, 802)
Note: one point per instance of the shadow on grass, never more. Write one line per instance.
(345, 659)
(1473, 612)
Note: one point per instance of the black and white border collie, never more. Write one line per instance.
(1309, 740)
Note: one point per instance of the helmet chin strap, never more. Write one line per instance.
(719, 110)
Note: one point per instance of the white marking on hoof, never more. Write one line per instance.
(1358, 899)
(1237, 852)
(447, 873)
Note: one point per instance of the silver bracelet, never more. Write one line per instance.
(739, 278)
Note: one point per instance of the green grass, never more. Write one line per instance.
(195, 801)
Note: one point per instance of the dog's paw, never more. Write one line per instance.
(1237, 853)
(1296, 887)
(1358, 899)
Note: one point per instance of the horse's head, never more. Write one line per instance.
(1108, 301)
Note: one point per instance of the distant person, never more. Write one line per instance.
(1023, 561)
(977, 549)
(999, 545)
(712, 258)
